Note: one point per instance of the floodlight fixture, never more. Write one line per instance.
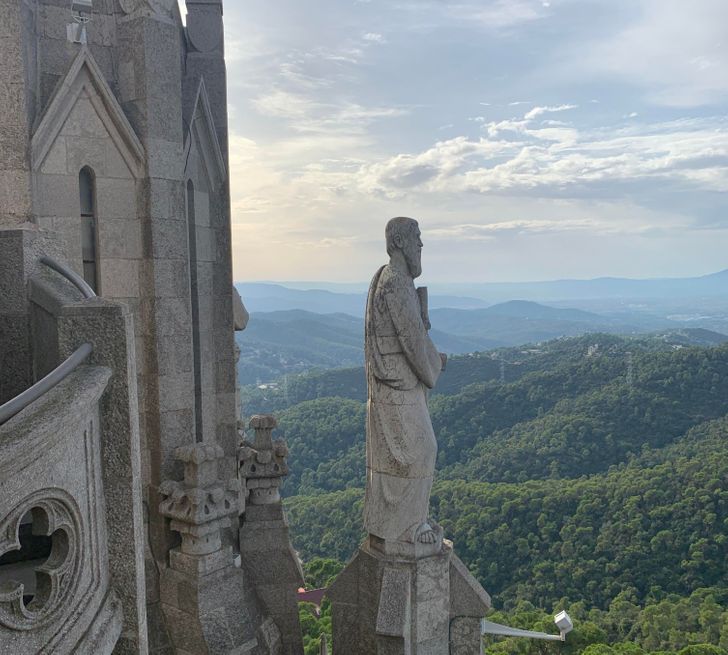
(562, 620)
(81, 10)
(564, 624)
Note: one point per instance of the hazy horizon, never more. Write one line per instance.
(355, 283)
(533, 139)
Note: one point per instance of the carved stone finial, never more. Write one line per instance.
(262, 464)
(201, 504)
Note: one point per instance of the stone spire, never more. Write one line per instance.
(263, 463)
(265, 547)
(206, 59)
(208, 604)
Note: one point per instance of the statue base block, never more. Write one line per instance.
(391, 602)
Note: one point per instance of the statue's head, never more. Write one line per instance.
(403, 234)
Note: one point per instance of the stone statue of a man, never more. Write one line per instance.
(402, 363)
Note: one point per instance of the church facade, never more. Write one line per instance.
(120, 493)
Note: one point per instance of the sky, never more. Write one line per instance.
(532, 139)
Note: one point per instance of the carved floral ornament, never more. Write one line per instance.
(55, 515)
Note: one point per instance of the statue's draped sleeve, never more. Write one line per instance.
(418, 348)
(399, 351)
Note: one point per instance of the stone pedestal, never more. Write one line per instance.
(388, 601)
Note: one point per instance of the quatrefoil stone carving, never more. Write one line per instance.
(55, 515)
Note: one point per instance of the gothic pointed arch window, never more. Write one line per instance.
(195, 307)
(89, 250)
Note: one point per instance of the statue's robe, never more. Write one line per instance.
(402, 363)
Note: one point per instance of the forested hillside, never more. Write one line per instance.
(297, 341)
(593, 475)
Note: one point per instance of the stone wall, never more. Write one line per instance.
(142, 104)
(50, 467)
(60, 322)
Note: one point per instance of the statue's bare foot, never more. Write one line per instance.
(426, 534)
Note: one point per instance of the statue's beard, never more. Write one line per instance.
(414, 264)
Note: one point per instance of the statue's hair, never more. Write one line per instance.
(400, 225)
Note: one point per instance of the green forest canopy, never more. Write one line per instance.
(583, 482)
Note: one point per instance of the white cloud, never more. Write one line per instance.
(328, 156)
(499, 14)
(691, 152)
(538, 111)
(304, 114)
(491, 231)
(676, 51)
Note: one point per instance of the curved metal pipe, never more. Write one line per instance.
(73, 277)
(45, 384)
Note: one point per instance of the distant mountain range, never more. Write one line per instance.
(272, 296)
(264, 297)
(294, 341)
(715, 284)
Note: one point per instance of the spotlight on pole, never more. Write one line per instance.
(81, 11)
(563, 623)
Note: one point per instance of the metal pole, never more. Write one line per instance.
(63, 370)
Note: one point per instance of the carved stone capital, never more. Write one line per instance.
(262, 464)
(200, 505)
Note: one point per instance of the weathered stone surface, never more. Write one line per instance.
(19, 252)
(267, 555)
(262, 463)
(467, 596)
(124, 106)
(384, 603)
(465, 637)
(50, 463)
(108, 327)
(393, 612)
(402, 363)
(240, 314)
(200, 505)
(404, 587)
(15, 189)
(209, 604)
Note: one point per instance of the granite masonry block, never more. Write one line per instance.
(116, 198)
(171, 278)
(119, 277)
(116, 166)
(175, 391)
(169, 239)
(465, 637)
(57, 195)
(56, 161)
(86, 151)
(120, 238)
(174, 354)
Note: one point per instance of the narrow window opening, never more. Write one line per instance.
(25, 564)
(87, 194)
(195, 306)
